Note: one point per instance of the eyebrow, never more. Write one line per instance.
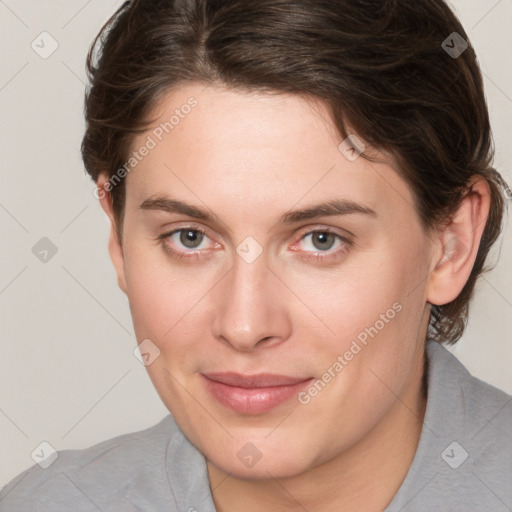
(328, 209)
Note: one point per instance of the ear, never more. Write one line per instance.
(457, 244)
(115, 247)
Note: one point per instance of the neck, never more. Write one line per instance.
(364, 478)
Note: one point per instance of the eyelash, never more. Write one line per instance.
(197, 254)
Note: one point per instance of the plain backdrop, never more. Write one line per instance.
(68, 375)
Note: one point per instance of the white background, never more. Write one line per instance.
(67, 372)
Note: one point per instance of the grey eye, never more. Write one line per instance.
(191, 238)
(323, 240)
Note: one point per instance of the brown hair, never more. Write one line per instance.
(378, 65)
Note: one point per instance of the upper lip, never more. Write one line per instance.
(260, 380)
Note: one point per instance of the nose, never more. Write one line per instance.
(250, 307)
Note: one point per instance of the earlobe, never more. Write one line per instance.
(115, 247)
(458, 243)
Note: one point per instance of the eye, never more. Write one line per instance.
(321, 240)
(321, 244)
(190, 238)
(186, 242)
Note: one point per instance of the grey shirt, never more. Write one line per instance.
(463, 461)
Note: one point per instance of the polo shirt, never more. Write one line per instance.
(463, 461)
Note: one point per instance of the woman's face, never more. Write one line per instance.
(286, 333)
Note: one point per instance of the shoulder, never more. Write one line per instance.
(464, 456)
(482, 438)
(92, 478)
(479, 403)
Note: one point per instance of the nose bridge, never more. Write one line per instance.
(247, 309)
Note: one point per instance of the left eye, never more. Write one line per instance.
(321, 240)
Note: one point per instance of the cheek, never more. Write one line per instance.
(165, 305)
(346, 301)
(371, 311)
(164, 299)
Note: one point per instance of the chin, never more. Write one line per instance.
(261, 470)
(263, 460)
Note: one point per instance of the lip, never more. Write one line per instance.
(253, 394)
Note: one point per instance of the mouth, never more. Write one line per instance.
(252, 394)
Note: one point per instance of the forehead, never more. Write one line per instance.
(212, 115)
(272, 149)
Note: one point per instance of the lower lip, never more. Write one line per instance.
(253, 400)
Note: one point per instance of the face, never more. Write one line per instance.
(282, 280)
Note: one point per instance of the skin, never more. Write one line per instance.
(249, 159)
